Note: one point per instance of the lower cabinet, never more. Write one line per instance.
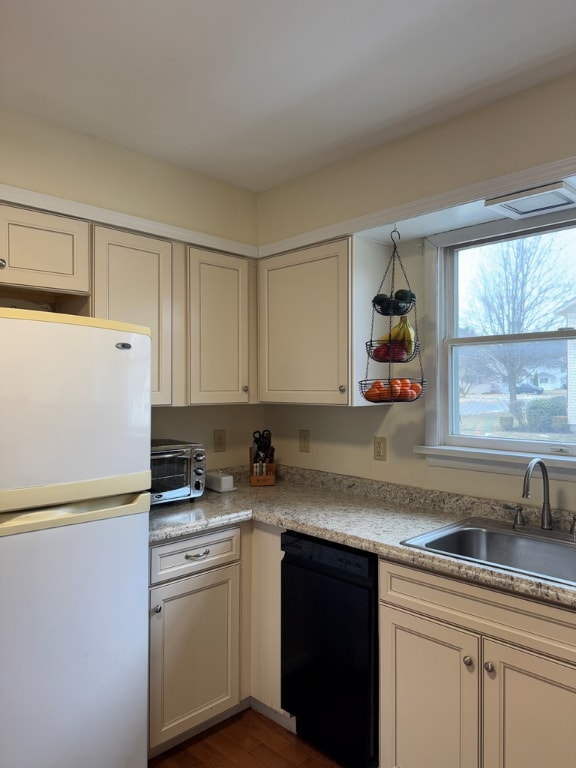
(194, 644)
(529, 709)
(473, 678)
(429, 696)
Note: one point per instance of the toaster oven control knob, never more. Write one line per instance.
(199, 456)
(198, 471)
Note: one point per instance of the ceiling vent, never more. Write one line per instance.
(535, 201)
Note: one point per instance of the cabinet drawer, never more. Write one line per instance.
(197, 553)
(534, 625)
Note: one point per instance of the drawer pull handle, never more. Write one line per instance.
(196, 555)
(467, 660)
(157, 609)
(489, 667)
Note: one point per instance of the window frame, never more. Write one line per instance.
(467, 452)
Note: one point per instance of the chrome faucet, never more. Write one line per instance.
(546, 523)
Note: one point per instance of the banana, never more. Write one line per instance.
(396, 333)
(408, 334)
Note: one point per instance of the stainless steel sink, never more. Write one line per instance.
(531, 551)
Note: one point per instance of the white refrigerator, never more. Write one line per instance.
(74, 504)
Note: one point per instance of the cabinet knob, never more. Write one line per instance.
(245, 388)
(157, 609)
(489, 667)
(342, 388)
(467, 661)
(2, 263)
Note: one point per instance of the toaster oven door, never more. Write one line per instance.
(171, 475)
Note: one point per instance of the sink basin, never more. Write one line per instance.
(488, 542)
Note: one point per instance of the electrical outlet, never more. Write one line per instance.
(219, 440)
(380, 448)
(304, 436)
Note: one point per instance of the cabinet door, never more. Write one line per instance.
(304, 334)
(218, 323)
(428, 693)
(529, 709)
(194, 651)
(133, 284)
(44, 251)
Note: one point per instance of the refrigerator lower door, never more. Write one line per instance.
(74, 645)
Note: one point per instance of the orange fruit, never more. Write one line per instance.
(416, 387)
(385, 393)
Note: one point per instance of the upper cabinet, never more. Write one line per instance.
(133, 284)
(218, 328)
(43, 251)
(315, 310)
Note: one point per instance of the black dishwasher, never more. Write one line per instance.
(330, 647)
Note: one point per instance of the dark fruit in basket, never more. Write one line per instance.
(405, 295)
(382, 303)
(400, 307)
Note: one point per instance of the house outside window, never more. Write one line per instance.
(503, 383)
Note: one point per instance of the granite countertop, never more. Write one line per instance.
(361, 514)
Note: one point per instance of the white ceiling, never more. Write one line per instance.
(259, 92)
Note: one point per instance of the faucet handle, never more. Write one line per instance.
(518, 514)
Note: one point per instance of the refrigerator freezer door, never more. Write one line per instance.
(74, 409)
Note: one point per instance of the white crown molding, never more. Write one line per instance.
(93, 213)
(512, 182)
(509, 183)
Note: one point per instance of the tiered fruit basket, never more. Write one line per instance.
(399, 344)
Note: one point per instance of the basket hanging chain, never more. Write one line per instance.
(391, 268)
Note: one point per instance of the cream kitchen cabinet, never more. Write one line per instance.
(473, 677)
(133, 284)
(429, 707)
(315, 315)
(218, 306)
(194, 633)
(529, 706)
(43, 251)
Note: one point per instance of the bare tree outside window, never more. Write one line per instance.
(508, 288)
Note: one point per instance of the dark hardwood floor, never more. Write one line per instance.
(247, 740)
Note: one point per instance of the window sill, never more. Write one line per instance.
(499, 462)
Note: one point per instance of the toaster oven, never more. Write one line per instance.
(178, 470)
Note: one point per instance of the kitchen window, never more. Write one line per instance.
(501, 361)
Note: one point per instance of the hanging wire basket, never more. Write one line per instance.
(399, 344)
(392, 351)
(390, 305)
(393, 390)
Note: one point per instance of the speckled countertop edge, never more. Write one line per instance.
(371, 516)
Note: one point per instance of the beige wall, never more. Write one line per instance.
(535, 127)
(38, 156)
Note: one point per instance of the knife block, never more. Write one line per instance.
(269, 473)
